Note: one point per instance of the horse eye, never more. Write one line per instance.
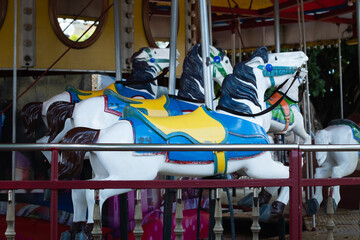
(226, 61)
(275, 58)
(154, 52)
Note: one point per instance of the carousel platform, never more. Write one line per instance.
(346, 226)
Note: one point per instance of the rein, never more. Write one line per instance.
(268, 109)
(160, 76)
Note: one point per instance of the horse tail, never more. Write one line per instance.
(56, 116)
(72, 161)
(322, 137)
(30, 115)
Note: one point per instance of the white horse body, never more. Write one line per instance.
(333, 164)
(91, 112)
(131, 166)
(156, 59)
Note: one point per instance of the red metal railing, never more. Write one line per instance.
(295, 181)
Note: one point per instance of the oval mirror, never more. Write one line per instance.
(70, 20)
(157, 22)
(3, 9)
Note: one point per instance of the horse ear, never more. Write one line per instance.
(255, 62)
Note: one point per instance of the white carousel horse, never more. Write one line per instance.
(285, 118)
(103, 111)
(334, 164)
(147, 63)
(242, 91)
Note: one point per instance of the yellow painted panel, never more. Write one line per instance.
(99, 56)
(244, 4)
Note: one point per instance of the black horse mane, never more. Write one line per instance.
(241, 84)
(192, 72)
(141, 72)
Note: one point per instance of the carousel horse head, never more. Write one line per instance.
(252, 78)
(193, 71)
(147, 63)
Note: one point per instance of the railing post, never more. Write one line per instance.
(330, 225)
(255, 227)
(295, 198)
(10, 218)
(179, 230)
(54, 196)
(138, 230)
(96, 232)
(218, 229)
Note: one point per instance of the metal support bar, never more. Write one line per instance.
(358, 34)
(117, 40)
(208, 83)
(277, 26)
(341, 82)
(173, 45)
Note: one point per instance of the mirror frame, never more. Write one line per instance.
(3, 10)
(147, 30)
(58, 31)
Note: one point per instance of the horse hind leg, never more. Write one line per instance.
(313, 204)
(347, 163)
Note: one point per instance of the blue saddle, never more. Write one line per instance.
(77, 95)
(163, 106)
(210, 127)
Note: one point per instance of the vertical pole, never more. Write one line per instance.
(240, 47)
(124, 216)
(10, 218)
(233, 52)
(173, 43)
(341, 81)
(179, 230)
(218, 229)
(54, 196)
(255, 227)
(96, 232)
(330, 225)
(11, 202)
(358, 33)
(309, 159)
(277, 26)
(210, 23)
(138, 230)
(208, 83)
(117, 40)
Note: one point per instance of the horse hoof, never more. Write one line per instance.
(334, 205)
(264, 197)
(80, 236)
(246, 201)
(312, 206)
(65, 235)
(265, 213)
(277, 210)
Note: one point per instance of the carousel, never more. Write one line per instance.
(179, 119)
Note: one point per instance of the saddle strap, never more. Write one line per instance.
(220, 162)
(284, 106)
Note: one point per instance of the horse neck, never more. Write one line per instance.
(143, 73)
(191, 86)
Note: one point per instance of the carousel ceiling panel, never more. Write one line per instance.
(258, 13)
